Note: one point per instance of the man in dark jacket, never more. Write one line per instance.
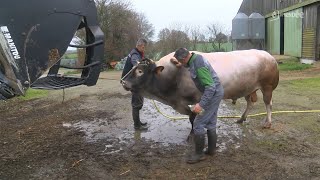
(207, 81)
(136, 55)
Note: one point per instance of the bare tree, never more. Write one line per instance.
(216, 35)
(164, 38)
(122, 27)
(179, 39)
(171, 39)
(195, 34)
(221, 38)
(141, 28)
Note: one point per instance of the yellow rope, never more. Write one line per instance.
(169, 117)
(252, 115)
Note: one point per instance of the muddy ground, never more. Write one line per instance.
(88, 134)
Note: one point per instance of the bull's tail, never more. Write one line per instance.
(276, 75)
(276, 82)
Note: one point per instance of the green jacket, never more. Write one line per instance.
(204, 77)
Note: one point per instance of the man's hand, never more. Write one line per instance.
(197, 108)
(175, 62)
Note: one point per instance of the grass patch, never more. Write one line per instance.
(315, 138)
(272, 144)
(306, 84)
(207, 47)
(70, 56)
(292, 64)
(72, 72)
(34, 93)
(308, 124)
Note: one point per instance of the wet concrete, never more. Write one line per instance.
(162, 130)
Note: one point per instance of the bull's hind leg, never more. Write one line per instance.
(267, 98)
(251, 98)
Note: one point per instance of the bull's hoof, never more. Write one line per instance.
(241, 120)
(234, 101)
(267, 125)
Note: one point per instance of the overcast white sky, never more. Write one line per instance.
(165, 13)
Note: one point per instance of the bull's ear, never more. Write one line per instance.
(158, 69)
(175, 62)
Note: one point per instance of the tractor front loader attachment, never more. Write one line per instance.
(35, 34)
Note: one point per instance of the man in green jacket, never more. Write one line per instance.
(207, 81)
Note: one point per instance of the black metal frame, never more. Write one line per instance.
(41, 31)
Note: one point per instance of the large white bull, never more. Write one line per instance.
(241, 73)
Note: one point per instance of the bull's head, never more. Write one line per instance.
(140, 75)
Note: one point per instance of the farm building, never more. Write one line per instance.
(289, 27)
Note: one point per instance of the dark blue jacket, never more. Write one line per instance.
(132, 59)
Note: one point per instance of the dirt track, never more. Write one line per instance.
(90, 136)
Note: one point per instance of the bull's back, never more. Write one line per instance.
(242, 72)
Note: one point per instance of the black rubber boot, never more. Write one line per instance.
(199, 145)
(136, 119)
(212, 142)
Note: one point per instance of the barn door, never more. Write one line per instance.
(318, 34)
(273, 35)
(293, 33)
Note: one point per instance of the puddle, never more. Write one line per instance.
(67, 125)
(110, 149)
(97, 129)
(161, 129)
(167, 131)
